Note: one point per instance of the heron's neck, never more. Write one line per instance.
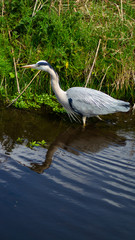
(55, 84)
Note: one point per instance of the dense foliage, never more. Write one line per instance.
(66, 34)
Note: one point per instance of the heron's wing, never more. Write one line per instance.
(89, 102)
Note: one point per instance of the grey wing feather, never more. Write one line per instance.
(90, 102)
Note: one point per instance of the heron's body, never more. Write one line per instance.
(85, 102)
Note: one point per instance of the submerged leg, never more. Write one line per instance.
(84, 121)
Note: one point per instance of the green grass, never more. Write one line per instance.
(67, 37)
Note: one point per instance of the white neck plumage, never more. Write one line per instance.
(59, 93)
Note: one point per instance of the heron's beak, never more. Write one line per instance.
(29, 66)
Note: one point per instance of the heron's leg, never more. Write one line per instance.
(84, 121)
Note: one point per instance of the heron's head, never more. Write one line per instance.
(40, 65)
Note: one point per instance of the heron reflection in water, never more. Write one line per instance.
(80, 101)
(93, 140)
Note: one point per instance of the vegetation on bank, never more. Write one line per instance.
(66, 33)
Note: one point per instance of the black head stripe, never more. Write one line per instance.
(43, 63)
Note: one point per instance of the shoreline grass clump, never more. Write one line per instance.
(66, 34)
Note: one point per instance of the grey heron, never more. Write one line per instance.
(82, 101)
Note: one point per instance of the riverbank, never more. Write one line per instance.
(66, 34)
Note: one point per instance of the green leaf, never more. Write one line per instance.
(12, 75)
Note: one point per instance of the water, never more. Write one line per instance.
(81, 186)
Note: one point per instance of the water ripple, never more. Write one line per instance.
(82, 186)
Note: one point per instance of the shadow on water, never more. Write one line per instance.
(72, 138)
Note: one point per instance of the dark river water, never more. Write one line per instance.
(81, 186)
